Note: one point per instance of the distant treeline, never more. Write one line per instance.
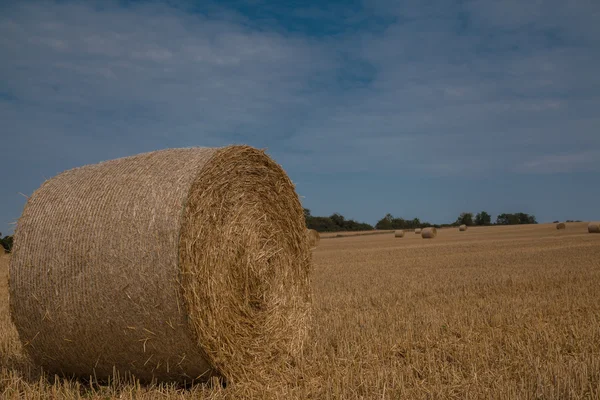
(334, 223)
(338, 222)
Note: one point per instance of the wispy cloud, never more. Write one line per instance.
(559, 163)
(149, 73)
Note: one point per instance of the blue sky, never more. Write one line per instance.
(416, 108)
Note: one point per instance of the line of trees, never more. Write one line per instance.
(337, 222)
(515, 219)
(481, 219)
(391, 222)
(484, 219)
(334, 223)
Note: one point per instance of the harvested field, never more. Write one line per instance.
(503, 312)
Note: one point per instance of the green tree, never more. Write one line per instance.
(526, 218)
(385, 223)
(390, 222)
(465, 218)
(515, 219)
(483, 218)
(338, 219)
(507, 219)
(333, 223)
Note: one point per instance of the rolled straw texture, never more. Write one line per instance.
(418, 231)
(313, 237)
(399, 234)
(561, 225)
(173, 265)
(462, 228)
(428, 233)
(594, 227)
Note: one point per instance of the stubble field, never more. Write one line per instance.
(498, 312)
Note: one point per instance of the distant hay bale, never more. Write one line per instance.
(462, 228)
(429, 233)
(173, 265)
(313, 237)
(561, 225)
(418, 231)
(399, 234)
(594, 227)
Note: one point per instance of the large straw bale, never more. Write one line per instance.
(173, 265)
(313, 237)
(594, 227)
(561, 225)
(429, 233)
(399, 234)
(462, 228)
(418, 231)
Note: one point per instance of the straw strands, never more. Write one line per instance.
(171, 265)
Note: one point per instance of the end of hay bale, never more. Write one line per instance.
(429, 233)
(594, 227)
(561, 225)
(252, 315)
(418, 231)
(399, 234)
(462, 228)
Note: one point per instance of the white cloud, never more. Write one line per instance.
(558, 163)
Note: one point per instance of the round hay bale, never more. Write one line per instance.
(399, 234)
(313, 238)
(173, 265)
(594, 227)
(561, 225)
(418, 231)
(462, 228)
(429, 233)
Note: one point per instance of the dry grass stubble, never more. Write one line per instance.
(509, 312)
